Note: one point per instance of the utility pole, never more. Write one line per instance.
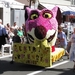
(30, 3)
(35, 3)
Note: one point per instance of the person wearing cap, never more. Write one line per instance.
(3, 34)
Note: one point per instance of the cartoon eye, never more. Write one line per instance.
(33, 16)
(47, 15)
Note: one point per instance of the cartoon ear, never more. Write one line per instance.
(26, 15)
(57, 13)
(59, 16)
(27, 11)
(54, 11)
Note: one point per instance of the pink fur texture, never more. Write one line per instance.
(42, 25)
(48, 23)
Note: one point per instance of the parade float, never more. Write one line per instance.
(42, 30)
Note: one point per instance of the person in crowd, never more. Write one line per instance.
(20, 32)
(10, 34)
(16, 38)
(3, 34)
(14, 26)
(24, 29)
(72, 48)
(24, 33)
(8, 26)
(62, 39)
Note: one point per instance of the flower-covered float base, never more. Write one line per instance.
(29, 54)
(41, 27)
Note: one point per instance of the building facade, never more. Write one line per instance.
(11, 11)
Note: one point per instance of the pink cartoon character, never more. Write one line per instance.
(41, 26)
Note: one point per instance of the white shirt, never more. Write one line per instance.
(15, 27)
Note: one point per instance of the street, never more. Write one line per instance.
(59, 68)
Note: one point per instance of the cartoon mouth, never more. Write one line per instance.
(51, 37)
(31, 39)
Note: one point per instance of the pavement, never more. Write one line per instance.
(62, 67)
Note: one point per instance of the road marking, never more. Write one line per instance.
(6, 56)
(59, 64)
(36, 72)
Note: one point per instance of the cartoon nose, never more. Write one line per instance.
(40, 32)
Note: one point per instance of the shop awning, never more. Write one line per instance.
(26, 2)
(12, 4)
(73, 8)
(62, 8)
(48, 6)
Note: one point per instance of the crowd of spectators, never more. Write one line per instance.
(15, 30)
(14, 33)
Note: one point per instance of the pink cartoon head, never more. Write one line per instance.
(42, 25)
